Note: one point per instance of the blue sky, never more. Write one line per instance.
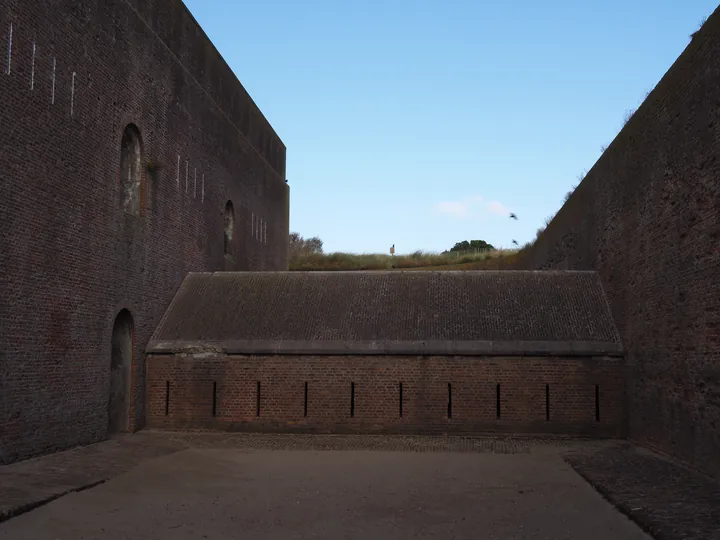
(421, 123)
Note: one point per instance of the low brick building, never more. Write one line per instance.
(512, 351)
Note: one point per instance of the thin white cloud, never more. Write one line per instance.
(469, 207)
(456, 209)
(498, 209)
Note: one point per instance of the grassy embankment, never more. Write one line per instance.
(493, 260)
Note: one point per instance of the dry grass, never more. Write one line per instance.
(702, 23)
(418, 260)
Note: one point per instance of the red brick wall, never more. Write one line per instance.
(70, 258)
(376, 380)
(647, 218)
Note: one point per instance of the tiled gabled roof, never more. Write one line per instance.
(408, 310)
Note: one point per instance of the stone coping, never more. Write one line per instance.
(419, 348)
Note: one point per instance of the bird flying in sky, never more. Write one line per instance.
(513, 216)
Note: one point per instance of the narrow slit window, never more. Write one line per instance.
(597, 402)
(547, 402)
(257, 403)
(306, 400)
(10, 45)
(352, 399)
(72, 95)
(214, 399)
(401, 400)
(449, 405)
(32, 67)
(52, 93)
(167, 397)
(497, 400)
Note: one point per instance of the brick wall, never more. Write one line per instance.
(211, 391)
(646, 217)
(79, 72)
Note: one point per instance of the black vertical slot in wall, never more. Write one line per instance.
(449, 400)
(214, 401)
(352, 399)
(167, 397)
(306, 395)
(597, 402)
(400, 400)
(257, 405)
(547, 402)
(497, 400)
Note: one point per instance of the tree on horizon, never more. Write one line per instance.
(465, 245)
(299, 245)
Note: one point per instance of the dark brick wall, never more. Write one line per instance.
(646, 218)
(70, 258)
(571, 382)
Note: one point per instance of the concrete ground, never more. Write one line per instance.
(223, 491)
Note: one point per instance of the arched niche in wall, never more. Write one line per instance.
(229, 228)
(121, 361)
(131, 170)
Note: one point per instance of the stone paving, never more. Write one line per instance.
(234, 492)
(665, 499)
(669, 501)
(28, 484)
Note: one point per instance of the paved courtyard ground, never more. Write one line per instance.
(183, 486)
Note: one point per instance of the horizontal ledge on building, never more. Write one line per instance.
(420, 348)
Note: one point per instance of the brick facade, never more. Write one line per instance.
(361, 394)
(76, 249)
(647, 218)
(123, 137)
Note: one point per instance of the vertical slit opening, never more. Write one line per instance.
(32, 68)
(547, 402)
(52, 97)
(401, 399)
(167, 397)
(597, 402)
(497, 400)
(449, 400)
(214, 399)
(10, 44)
(72, 95)
(352, 399)
(257, 404)
(306, 396)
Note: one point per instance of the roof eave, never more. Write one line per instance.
(406, 348)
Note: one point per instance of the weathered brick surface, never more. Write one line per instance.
(70, 258)
(180, 390)
(394, 306)
(646, 218)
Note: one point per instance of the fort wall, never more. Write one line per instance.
(647, 218)
(123, 135)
